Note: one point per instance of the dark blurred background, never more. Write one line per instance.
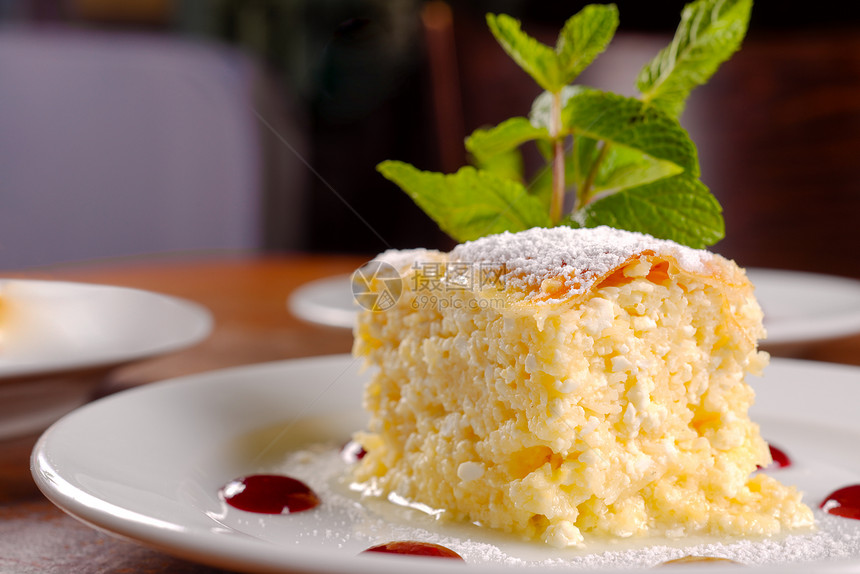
(151, 126)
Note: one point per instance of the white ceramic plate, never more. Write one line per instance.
(147, 464)
(326, 301)
(59, 339)
(799, 307)
(806, 306)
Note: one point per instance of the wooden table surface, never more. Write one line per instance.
(247, 297)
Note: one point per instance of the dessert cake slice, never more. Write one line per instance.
(557, 383)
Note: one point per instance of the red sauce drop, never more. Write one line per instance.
(269, 494)
(352, 452)
(844, 502)
(415, 549)
(780, 459)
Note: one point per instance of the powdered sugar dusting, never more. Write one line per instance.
(576, 256)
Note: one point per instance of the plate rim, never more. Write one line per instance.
(197, 547)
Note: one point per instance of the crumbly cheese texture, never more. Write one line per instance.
(563, 384)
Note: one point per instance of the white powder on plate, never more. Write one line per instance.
(353, 523)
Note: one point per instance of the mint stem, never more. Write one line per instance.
(584, 196)
(556, 207)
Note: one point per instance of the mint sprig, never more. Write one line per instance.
(709, 33)
(470, 203)
(582, 39)
(627, 161)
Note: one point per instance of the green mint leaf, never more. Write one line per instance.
(623, 167)
(508, 135)
(679, 208)
(584, 37)
(470, 203)
(631, 123)
(537, 59)
(508, 164)
(709, 33)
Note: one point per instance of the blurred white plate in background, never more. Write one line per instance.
(325, 301)
(802, 306)
(60, 340)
